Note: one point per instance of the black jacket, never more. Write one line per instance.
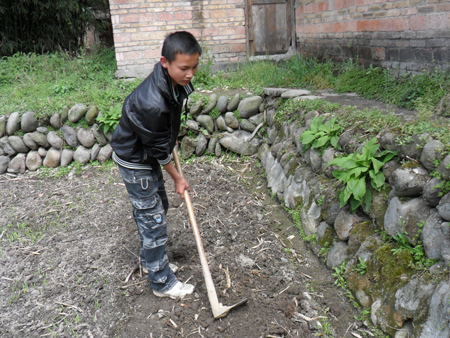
(150, 121)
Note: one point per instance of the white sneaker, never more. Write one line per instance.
(178, 291)
(172, 267)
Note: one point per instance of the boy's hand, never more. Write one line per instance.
(181, 185)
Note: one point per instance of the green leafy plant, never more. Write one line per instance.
(110, 119)
(417, 251)
(359, 169)
(361, 267)
(215, 113)
(320, 136)
(339, 274)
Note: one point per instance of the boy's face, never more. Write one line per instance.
(182, 69)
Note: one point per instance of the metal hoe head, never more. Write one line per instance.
(222, 310)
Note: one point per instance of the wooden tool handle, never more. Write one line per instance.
(212, 295)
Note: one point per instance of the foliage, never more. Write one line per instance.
(357, 170)
(46, 83)
(339, 274)
(40, 26)
(320, 136)
(289, 109)
(426, 89)
(361, 267)
(109, 120)
(204, 75)
(215, 113)
(417, 251)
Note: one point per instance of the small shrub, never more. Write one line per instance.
(359, 170)
(320, 136)
(109, 120)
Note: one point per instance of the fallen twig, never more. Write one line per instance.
(227, 274)
(255, 131)
(130, 274)
(308, 319)
(134, 284)
(70, 306)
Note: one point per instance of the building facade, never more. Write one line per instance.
(410, 35)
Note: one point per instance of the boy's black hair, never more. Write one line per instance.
(181, 42)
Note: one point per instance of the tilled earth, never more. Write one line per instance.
(69, 260)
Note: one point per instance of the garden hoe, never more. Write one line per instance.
(218, 309)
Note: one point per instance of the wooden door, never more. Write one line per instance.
(269, 26)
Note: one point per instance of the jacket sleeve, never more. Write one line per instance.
(152, 127)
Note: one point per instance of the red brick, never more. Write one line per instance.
(221, 49)
(400, 24)
(238, 47)
(378, 53)
(386, 25)
(437, 21)
(222, 13)
(240, 30)
(352, 26)
(148, 17)
(210, 32)
(125, 18)
(141, 36)
(368, 25)
(323, 6)
(165, 16)
(443, 7)
(227, 31)
(122, 37)
(417, 23)
(187, 15)
(151, 54)
(132, 55)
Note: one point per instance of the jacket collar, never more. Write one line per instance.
(164, 84)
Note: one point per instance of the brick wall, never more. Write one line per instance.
(408, 34)
(140, 26)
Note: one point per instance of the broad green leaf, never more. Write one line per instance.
(335, 142)
(316, 123)
(320, 142)
(324, 128)
(386, 155)
(341, 175)
(377, 165)
(357, 171)
(377, 180)
(370, 148)
(357, 187)
(354, 204)
(344, 162)
(367, 200)
(344, 196)
(307, 137)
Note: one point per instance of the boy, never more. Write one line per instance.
(143, 142)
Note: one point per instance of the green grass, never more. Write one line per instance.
(47, 83)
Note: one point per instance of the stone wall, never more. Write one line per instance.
(410, 35)
(140, 27)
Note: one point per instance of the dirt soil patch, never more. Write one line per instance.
(69, 260)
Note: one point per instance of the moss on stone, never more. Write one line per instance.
(380, 202)
(410, 165)
(389, 270)
(359, 234)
